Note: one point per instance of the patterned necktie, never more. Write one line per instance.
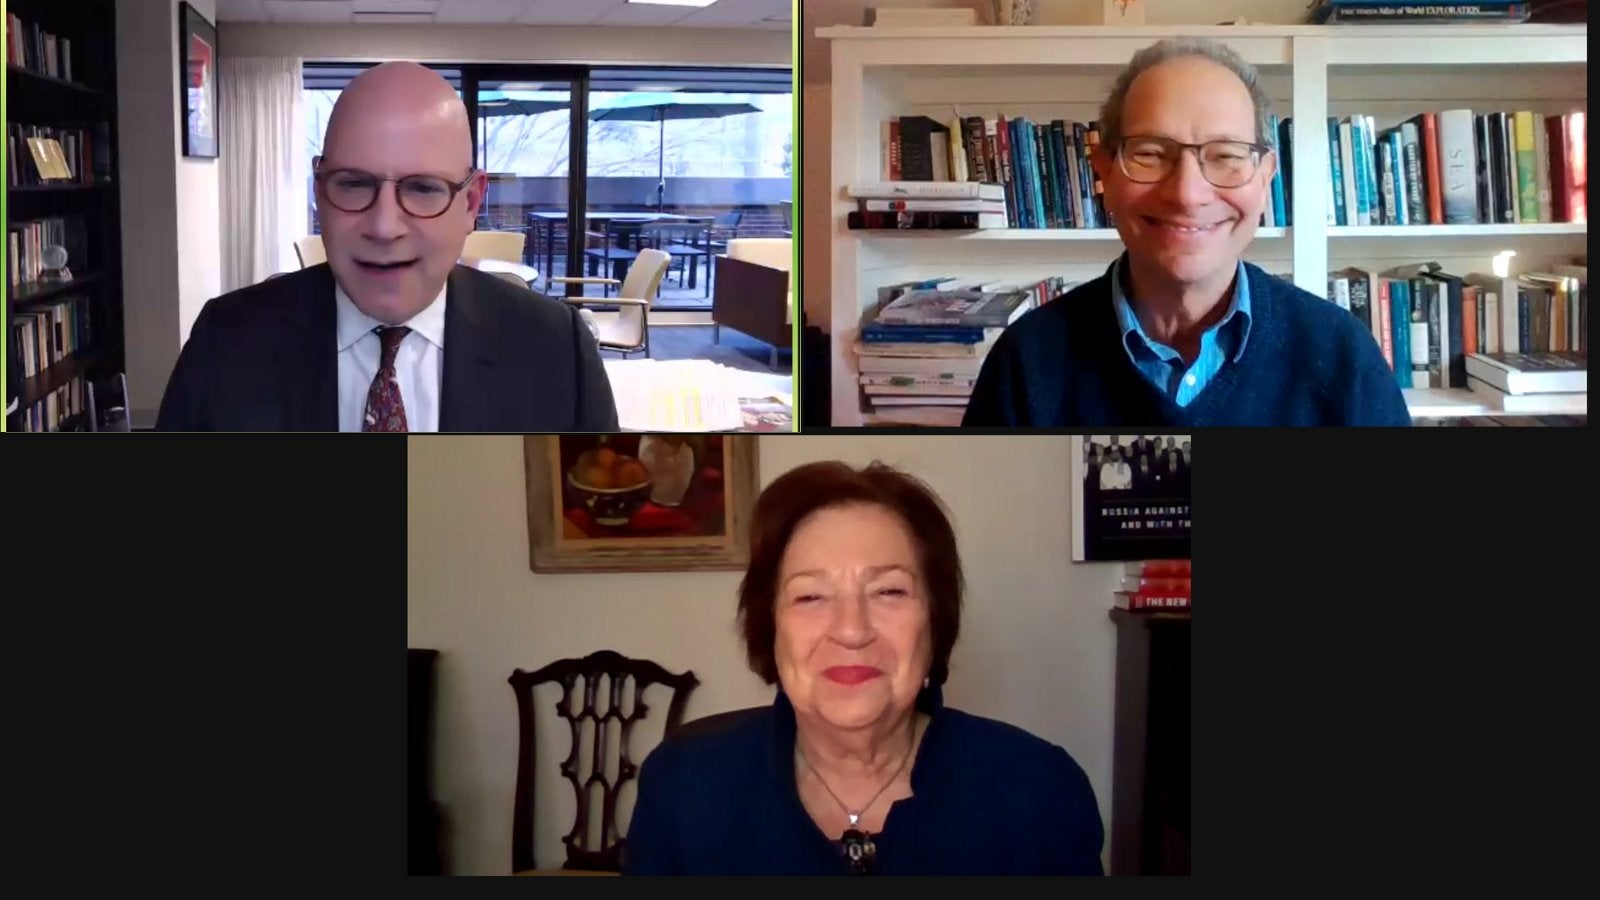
(385, 410)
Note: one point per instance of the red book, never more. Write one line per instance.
(1172, 587)
(1002, 150)
(1158, 568)
(1576, 177)
(1138, 602)
(1469, 318)
(1555, 131)
(1381, 316)
(1431, 163)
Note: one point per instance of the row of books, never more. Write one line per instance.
(1041, 170)
(54, 410)
(37, 154)
(1154, 585)
(31, 47)
(1456, 167)
(931, 180)
(1370, 12)
(49, 333)
(1428, 322)
(26, 241)
(990, 184)
(1448, 167)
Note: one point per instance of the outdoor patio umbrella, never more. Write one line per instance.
(493, 104)
(645, 107)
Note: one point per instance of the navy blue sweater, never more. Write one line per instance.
(989, 798)
(1307, 362)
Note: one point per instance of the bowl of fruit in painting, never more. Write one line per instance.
(612, 486)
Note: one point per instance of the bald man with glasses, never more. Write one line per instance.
(1180, 331)
(391, 333)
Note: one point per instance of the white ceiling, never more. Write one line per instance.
(763, 14)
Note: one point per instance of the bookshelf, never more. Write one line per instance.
(1311, 73)
(84, 99)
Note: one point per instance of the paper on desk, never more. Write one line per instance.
(675, 395)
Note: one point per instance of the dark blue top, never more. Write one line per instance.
(990, 799)
(1307, 362)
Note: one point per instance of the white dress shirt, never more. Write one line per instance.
(418, 366)
(1115, 476)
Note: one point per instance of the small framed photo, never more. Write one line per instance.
(197, 82)
(640, 503)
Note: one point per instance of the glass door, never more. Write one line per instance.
(522, 129)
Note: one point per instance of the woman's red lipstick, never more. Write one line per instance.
(851, 674)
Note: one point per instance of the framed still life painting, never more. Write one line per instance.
(640, 502)
(1130, 497)
(197, 82)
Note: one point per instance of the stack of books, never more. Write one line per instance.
(927, 205)
(1154, 585)
(922, 348)
(1542, 382)
(927, 342)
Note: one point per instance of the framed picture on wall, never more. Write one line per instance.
(197, 82)
(640, 502)
(1130, 497)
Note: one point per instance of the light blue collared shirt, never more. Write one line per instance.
(1162, 365)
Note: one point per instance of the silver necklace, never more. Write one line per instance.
(858, 846)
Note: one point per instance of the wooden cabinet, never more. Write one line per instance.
(1150, 745)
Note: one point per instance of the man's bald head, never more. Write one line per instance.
(404, 99)
(393, 122)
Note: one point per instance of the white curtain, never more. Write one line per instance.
(263, 190)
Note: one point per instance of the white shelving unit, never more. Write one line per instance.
(1311, 72)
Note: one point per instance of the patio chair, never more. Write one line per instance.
(627, 329)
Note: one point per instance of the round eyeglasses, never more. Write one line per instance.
(421, 196)
(1226, 164)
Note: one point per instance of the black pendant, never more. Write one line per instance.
(858, 851)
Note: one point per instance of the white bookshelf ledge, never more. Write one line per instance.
(1446, 403)
(1436, 231)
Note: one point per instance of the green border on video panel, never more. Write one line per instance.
(5, 216)
(795, 158)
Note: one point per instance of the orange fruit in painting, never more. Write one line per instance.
(606, 457)
(585, 460)
(597, 477)
(631, 473)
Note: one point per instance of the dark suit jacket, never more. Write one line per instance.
(264, 358)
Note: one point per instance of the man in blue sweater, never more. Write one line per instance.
(1179, 330)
